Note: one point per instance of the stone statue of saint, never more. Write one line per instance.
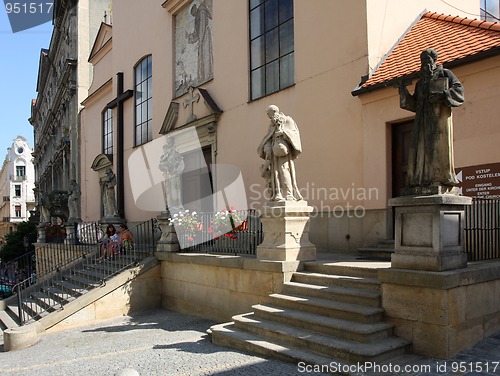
(172, 166)
(109, 198)
(430, 160)
(44, 205)
(279, 148)
(74, 195)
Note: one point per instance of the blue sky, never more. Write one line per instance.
(19, 58)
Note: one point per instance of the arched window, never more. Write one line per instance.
(143, 101)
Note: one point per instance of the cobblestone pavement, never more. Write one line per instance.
(162, 342)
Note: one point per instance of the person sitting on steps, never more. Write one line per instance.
(126, 242)
(110, 243)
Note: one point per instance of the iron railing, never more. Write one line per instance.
(482, 229)
(240, 238)
(81, 268)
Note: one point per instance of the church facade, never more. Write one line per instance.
(186, 70)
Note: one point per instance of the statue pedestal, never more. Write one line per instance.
(286, 232)
(168, 241)
(429, 232)
(71, 237)
(41, 233)
(115, 221)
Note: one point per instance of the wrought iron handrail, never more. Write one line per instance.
(241, 237)
(482, 229)
(76, 274)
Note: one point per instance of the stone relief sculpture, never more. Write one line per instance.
(73, 197)
(172, 165)
(202, 34)
(430, 161)
(279, 148)
(193, 46)
(109, 197)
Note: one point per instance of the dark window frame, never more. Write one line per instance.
(107, 131)
(272, 69)
(17, 189)
(20, 171)
(143, 124)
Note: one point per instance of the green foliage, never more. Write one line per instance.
(14, 242)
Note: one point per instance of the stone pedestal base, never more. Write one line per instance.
(41, 233)
(168, 241)
(286, 232)
(71, 237)
(429, 232)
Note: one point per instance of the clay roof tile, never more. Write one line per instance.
(454, 38)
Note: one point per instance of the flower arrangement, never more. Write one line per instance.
(54, 233)
(225, 223)
(187, 222)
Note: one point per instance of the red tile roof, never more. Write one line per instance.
(455, 39)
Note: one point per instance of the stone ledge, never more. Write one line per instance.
(443, 199)
(475, 273)
(231, 261)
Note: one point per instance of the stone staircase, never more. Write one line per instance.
(381, 251)
(327, 313)
(52, 301)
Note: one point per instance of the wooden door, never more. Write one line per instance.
(401, 134)
(197, 179)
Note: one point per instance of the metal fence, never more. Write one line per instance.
(240, 237)
(76, 258)
(482, 229)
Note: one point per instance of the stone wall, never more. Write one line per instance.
(443, 313)
(139, 294)
(218, 287)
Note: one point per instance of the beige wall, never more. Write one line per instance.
(219, 287)
(345, 139)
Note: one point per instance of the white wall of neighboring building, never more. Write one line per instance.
(18, 155)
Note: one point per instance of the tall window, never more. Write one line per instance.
(271, 46)
(490, 10)
(143, 101)
(17, 190)
(107, 131)
(17, 210)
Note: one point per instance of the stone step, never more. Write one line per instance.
(92, 274)
(336, 280)
(342, 294)
(81, 281)
(325, 345)
(340, 310)
(343, 329)
(227, 335)
(45, 301)
(33, 310)
(7, 321)
(70, 288)
(386, 243)
(340, 269)
(376, 253)
(59, 295)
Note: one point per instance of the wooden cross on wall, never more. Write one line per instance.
(121, 97)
